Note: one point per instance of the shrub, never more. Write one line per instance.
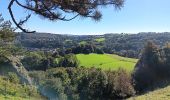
(9, 88)
(69, 60)
(119, 84)
(87, 83)
(92, 85)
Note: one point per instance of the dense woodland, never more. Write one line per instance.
(128, 45)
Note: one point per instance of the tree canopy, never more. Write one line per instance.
(62, 9)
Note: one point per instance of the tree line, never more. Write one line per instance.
(128, 45)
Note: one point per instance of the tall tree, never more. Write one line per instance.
(6, 37)
(148, 70)
(62, 9)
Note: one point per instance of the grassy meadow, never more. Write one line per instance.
(159, 94)
(100, 40)
(106, 61)
(2, 97)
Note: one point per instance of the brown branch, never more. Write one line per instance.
(13, 18)
(85, 8)
(63, 19)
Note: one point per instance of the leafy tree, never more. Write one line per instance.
(6, 40)
(119, 84)
(153, 69)
(165, 61)
(6, 31)
(33, 61)
(147, 67)
(69, 60)
(92, 86)
(85, 49)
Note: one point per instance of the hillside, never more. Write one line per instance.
(15, 84)
(128, 45)
(159, 94)
(16, 91)
(106, 61)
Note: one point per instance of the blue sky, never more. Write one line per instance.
(136, 16)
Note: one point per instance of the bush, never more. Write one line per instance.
(12, 88)
(87, 83)
(92, 85)
(36, 61)
(119, 84)
(69, 60)
(53, 87)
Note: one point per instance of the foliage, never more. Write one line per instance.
(85, 49)
(153, 69)
(6, 31)
(127, 45)
(33, 61)
(69, 60)
(55, 85)
(55, 9)
(86, 83)
(38, 60)
(119, 84)
(12, 88)
(6, 38)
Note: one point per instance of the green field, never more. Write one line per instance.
(83, 43)
(100, 39)
(106, 61)
(159, 94)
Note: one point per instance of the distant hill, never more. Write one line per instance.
(129, 45)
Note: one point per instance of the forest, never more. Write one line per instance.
(127, 45)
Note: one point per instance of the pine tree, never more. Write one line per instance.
(62, 9)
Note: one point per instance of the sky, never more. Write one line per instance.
(136, 16)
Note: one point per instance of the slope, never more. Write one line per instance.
(159, 94)
(106, 61)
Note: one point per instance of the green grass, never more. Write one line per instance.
(8, 97)
(106, 61)
(100, 39)
(83, 43)
(16, 91)
(159, 94)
